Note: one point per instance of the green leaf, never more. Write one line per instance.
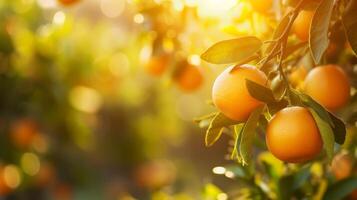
(301, 177)
(215, 128)
(238, 137)
(205, 120)
(248, 135)
(321, 111)
(275, 107)
(279, 87)
(349, 21)
(260, 92)
(319, 40)
(341, 189)
(339, 130)
(231, 51)
(326, 134)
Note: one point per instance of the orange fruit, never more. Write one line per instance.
(189, 78)
(230, 94)
(4, 188)
(23, 132)
(46, 175)
(157, 65)
(328, 85)
(155, 174)
(67, 2)
(293, 136)
(301, 26)
(261, 6)
(341, 166)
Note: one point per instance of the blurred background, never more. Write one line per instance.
(98, 97)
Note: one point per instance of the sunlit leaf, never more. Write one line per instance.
(248, 135)
(326, 134)
(349, 21)
(215, 128)
(238, 137)
(341, 189)
(260, 92)
(339, 130)
(319, 40)
(278, 32)
(231, 51)
(279, 87)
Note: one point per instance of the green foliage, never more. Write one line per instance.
(341, 189)
(319, 30)
(231, 51)
(350, 23)
(326, 134)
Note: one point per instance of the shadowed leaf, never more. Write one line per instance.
(260, 92)
(326, 134)
(319, 40)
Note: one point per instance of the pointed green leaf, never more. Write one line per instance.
(319, 40)
(321, 111)
(341, 189)
(260, 92)
(215, 128)
(231, 51)
(212, 135)
(326, 134)
(339, 130)
(349, 21)
(238, 137)
(248, 135)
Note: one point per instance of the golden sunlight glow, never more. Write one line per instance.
(85, 99)
(30, 163)
(12, 176)
(214, 8)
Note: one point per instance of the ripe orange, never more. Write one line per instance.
(261, 6)
(189, 78)
(157, 65)
(329, 86)
(67, 2)
(301, 26)
(293, 136)
(341, 166)
(23, 132)
(230, 94)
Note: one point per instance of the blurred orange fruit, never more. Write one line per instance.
(341, 166)
(189, 78)
(23, 132)
(46, 175)
(63, 192)
(155, 174)
(67, 2)
(293, 136)
(230, 93)
(297, 76)
(301, 26)
(157, 65)
(4, 188)
(328, 85)
(261, 6)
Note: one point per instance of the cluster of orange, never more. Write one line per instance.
(186, 76)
